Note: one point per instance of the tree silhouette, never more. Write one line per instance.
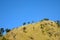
(32, 21)
(58, 23)
(46, 19)
(1, 31)
(28, 22)
(24, 23)
(7, 30)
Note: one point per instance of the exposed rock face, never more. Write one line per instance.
(44, 30)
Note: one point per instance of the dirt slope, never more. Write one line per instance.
(44, 30)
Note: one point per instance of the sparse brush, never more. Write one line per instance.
(4, 38)
(24, 29)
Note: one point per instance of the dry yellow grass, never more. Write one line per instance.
(44, 30)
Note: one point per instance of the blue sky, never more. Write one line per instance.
(14, 12)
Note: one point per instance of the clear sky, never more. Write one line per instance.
(14, 12)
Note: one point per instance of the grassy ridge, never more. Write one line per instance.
(44, 30)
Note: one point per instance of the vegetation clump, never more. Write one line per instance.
(1, 31)
(58, 23)
(24, 23)
(31, 38)
(24, 29)
(4, 38)
(8, 30)
(46, 19)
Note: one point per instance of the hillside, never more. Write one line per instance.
(43, 30)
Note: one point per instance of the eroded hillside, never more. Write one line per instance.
(43, 30)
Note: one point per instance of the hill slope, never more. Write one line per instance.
(44, 30)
